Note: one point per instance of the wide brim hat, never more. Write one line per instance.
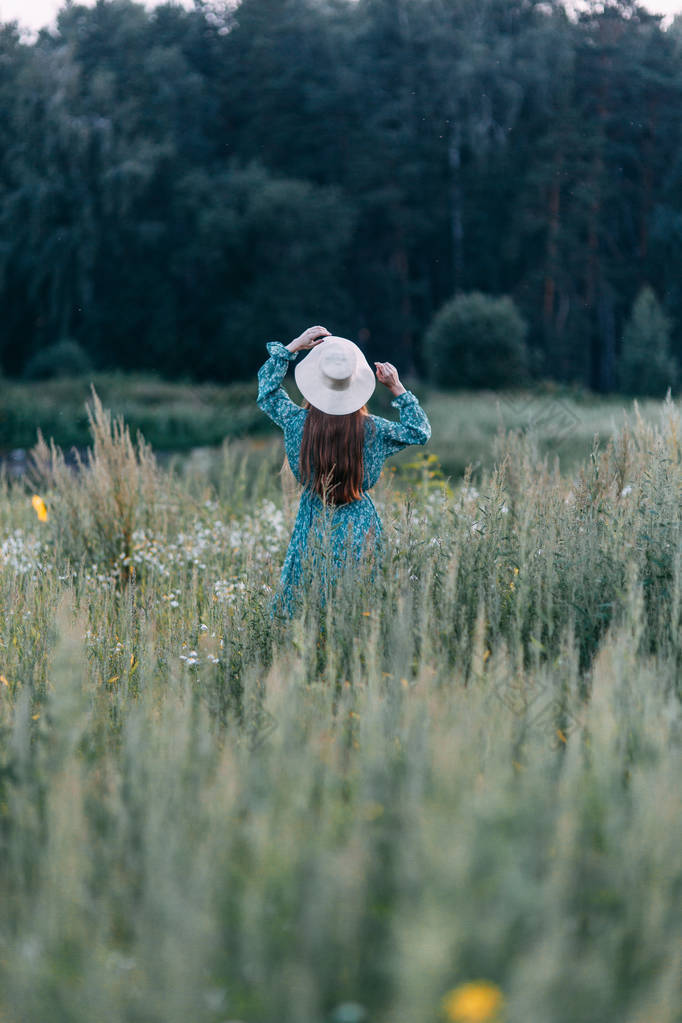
(335, 377)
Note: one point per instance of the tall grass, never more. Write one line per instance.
(465, 769)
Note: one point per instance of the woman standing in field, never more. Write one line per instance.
(335, 448)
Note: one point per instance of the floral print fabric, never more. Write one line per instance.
(353, 528)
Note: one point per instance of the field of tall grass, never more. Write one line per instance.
(453, 793)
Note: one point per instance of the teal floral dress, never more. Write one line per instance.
(353, 528)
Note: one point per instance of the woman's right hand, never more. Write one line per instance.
(387, 374)
(308, 339)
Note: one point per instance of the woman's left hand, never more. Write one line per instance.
(387, 374)
(308, 339)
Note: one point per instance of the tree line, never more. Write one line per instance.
(179, 186)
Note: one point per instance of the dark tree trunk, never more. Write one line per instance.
(607, 332)
(551, 257)
(647, 189)
(400, 262)
(456, 229)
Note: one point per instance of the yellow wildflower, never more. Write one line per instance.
(40, 508)
(475, 1002)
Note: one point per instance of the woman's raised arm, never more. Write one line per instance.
(414, 426)
(272, 398)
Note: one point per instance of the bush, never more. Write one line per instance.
(64, 359)
(645, 365)
(477, 340)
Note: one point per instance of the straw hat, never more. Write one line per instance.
(335, 377)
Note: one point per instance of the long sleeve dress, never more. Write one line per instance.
(356, 526)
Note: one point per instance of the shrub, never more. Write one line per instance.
(645, 365)
(64, 359)
(477, 340)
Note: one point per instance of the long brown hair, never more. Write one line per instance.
(331, 461)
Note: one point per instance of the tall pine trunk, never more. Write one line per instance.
(456, 228)
(551, 260)
(593, 281)
(647, 189)
(400, 263)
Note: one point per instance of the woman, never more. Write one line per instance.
(335, 448)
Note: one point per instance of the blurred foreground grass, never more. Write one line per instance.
(452, 796)
(177, 417)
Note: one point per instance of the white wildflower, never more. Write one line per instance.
(20, 553)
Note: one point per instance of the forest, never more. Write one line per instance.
(179, 186)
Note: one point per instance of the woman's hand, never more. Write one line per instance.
(387, 374)
(308, 339)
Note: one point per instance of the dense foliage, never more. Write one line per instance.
(63, 359)
(464, 773)
(645, 364)
(178, 186)
(476, 341)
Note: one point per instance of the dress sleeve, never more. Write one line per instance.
(272, 398)
(413, 428)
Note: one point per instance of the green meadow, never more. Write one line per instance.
(176, 418)
(448, 792)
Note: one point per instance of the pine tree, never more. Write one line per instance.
(645, 365)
